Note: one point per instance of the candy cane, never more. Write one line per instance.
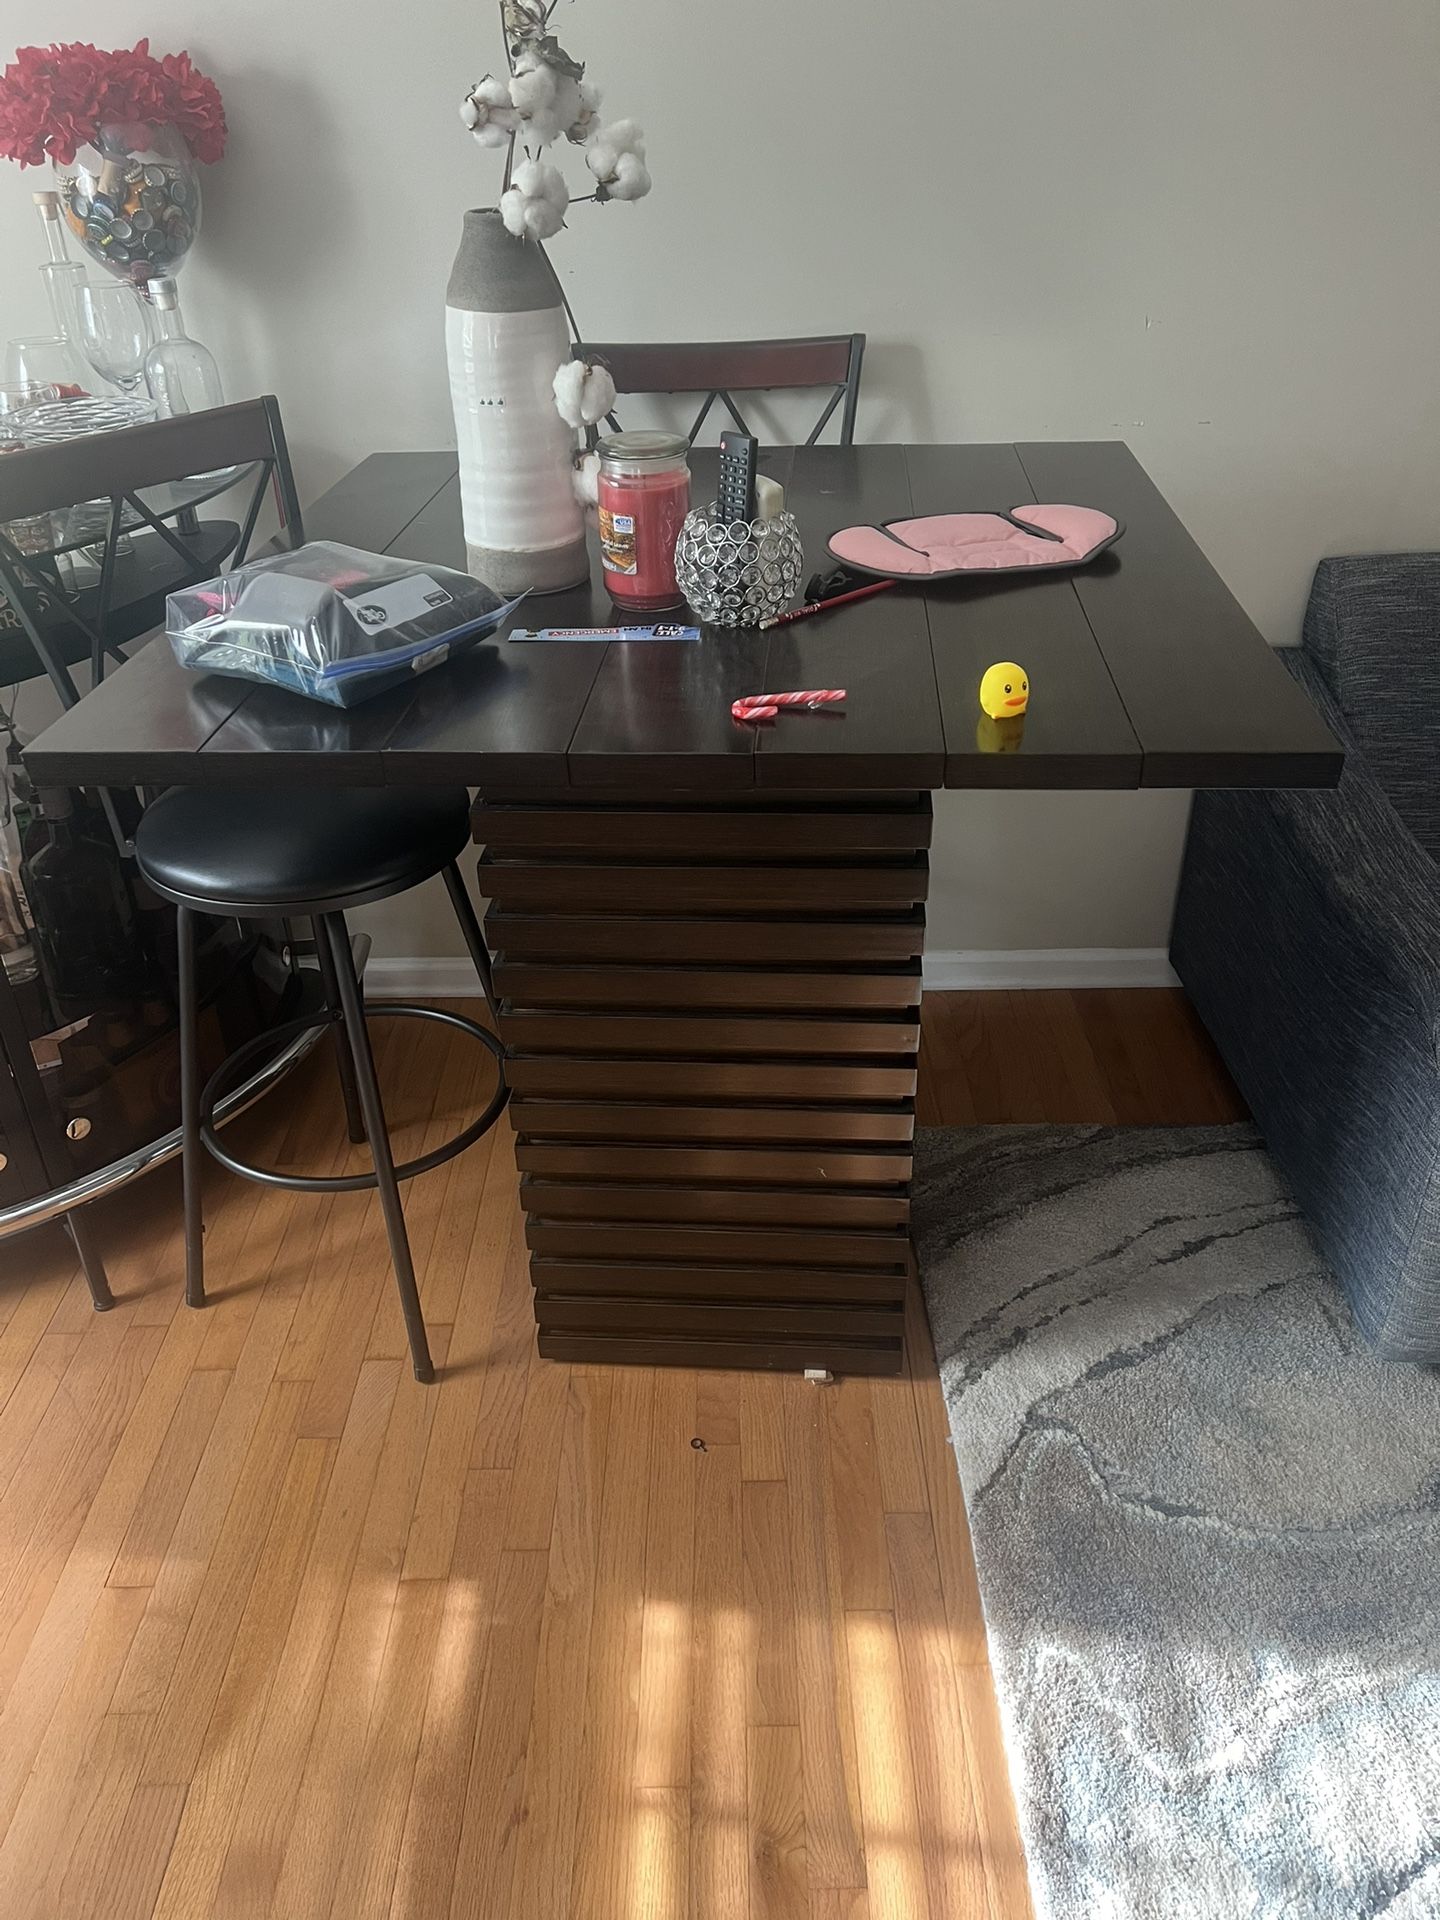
(765, 706)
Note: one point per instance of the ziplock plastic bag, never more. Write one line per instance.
(332, 622)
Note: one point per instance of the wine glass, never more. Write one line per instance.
(45, 359)
(114, 332)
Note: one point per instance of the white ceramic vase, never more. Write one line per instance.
(505, 338)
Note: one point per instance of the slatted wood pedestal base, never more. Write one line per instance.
(712, 1013)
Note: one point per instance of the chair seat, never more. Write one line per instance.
(299, 852)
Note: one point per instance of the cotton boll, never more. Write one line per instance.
(627, 136)
(632, 181)
(543, 219)
(537, 181)
(532, 95)
(597, 396)
(569, 386)
(512, 211)
(534, 206)
(488, 113)
(601, 158)
(586, 479)
(532, 84)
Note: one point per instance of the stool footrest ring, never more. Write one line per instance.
(349, 1182)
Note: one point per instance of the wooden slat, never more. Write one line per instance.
(742, 1319)
(708, 1350)
(730, 1206)
(738, 1080)
(711, 1035)
(532, 984)
(670, 1280)
(706, 833)
(620, 1121)
(726, 1246)
(583, 887)
(776, 941)
(744, 1166)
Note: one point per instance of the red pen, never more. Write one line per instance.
(824, 606)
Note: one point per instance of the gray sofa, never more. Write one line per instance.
(1307, 933)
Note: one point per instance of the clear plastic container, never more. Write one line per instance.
(644, 495)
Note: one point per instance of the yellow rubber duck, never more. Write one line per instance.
(1005, 690)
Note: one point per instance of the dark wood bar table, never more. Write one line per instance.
(708, 937)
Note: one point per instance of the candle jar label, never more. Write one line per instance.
(617, 541)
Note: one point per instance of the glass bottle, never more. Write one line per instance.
(63, 279)
(180, 373)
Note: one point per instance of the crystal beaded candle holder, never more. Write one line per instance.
(736, 574)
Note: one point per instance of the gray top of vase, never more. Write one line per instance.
(496, 273)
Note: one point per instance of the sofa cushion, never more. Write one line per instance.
(1373, 629)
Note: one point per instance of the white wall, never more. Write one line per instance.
(1209, 229)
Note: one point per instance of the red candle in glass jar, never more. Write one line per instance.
(644, 495)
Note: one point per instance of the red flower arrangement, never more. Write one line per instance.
(55, 99)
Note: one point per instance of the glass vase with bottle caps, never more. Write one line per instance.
(180, 372)
(132, 199)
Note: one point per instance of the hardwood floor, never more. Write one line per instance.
(282, 1632)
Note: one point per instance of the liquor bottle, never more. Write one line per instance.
(63, 279)
(180, 373)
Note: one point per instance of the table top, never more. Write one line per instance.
(1144, 670)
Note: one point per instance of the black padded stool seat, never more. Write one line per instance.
(272, 850)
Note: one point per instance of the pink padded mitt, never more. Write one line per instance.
(946, 543)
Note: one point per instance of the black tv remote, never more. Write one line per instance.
(736, 498)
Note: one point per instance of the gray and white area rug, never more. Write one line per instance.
(1206, 1524)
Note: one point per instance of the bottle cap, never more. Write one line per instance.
(163, 292)
(49, 205)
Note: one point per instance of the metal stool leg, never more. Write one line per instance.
(91, 1264)
(332, 928)
(192, 1152)
(470, 927)
(354, 1119)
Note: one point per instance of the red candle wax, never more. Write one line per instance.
(641, 514)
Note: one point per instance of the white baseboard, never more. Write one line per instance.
(447, 978)
(428, 977)
(1049, 967)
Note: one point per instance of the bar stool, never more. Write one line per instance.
(282, 854)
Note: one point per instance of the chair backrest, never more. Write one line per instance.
(1373, 629)
(116, 469)
(721, 369)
